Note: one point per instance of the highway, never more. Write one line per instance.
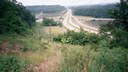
(66, 23)
(69, 24)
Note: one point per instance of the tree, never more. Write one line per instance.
(14, 17)
(117, 31)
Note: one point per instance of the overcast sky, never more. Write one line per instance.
(66, 2)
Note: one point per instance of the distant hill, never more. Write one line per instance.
(98, 11)
(46, 8)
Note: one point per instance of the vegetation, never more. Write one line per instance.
(17, 52)
(98, 11)
(50, 22)
(80, 38)
(14, 17)
(91, 58)
(73, 59)
(11, 64)
(117, 31)
(15, 21)
(110, 54)
(46, 9)
(79, 51)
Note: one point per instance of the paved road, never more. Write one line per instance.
(69, 24)
(66, 23)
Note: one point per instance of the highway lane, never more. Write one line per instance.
(69, 24)
(86, 27)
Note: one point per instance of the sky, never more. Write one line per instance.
(66, 2)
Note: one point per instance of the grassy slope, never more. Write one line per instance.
(35, 49)
(89, 59)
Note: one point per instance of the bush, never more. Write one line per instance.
(50, 22)
(80, 38)
(11, 64)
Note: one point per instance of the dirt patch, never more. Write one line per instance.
(4, 47)
(8, 47)
(50, 65)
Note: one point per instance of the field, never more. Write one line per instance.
(90, 21)
(55, 30)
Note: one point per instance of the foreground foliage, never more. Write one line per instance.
(94, 59)
(11, 63)
(20, 53)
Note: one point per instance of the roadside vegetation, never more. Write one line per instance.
(77, 38)
(50, 22)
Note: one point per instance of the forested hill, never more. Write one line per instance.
(98, 11)
(46, 8)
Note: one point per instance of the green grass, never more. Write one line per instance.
(32, 48)
(93, 59)
(11, 63)
(73, 59)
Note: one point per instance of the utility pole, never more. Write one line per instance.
(50, 33)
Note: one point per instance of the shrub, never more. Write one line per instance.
(80, 38)
(11, 64)
(50, 22)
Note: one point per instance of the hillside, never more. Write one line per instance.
(46, 8)
(98, 11)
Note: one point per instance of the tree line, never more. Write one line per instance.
(46, 8)
(98, 11)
